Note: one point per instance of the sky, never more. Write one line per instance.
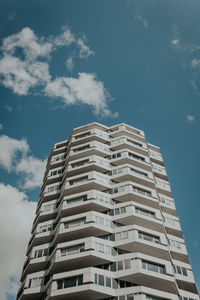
(67, 63)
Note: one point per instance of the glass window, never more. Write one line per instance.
(101, 280)
(108, 281)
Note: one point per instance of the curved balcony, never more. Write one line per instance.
(157, 275)
(89, 163)
(84, 202)
(130, 144)
(136, 175)
(128, 192)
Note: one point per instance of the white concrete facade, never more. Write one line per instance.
(106, 225)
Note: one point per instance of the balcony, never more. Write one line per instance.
(87, 164)
(141, 215)
(136, 175)
(130, 144)
(84, 202)
(85, 225)
(133, 159)
(156, 275)
(125, 131)
(88, 149)
(148, 244)
(80, 285)
(86, 136)
(88, 181)
(128, 192)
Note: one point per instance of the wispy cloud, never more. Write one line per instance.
(15, 157)
(195, 63)
(1, 126)
(139, 18)
(11, 15)
(70, 63)
(8, 107)
(22, 73)
(190, 118)
(189, 53)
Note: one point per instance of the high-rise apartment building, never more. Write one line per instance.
(106, 225)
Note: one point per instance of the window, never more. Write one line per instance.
(174, 243)
(41, 253)
(75, 223)
(45, 228)
(171, 221)
(141, 174)
(180, 270)
(104, 222)
(57, 158)
(77, 200)
(145, 212)
(81, 148)
(72, 250)
(148, 297)
(141, 191)
(164, 200)
(153, 267)
(136, 157)
(70, 282)
(148, 237)
(80, 136)
(53, 188)
(114, 156)
(56, 172)
(135, 143)
(78, 180)
(80, 163)
(35, 282)
(121, 235)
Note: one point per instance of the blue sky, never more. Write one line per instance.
(66, 63)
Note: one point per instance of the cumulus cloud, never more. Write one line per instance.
(85, 89)
(30, 69)
(16, 216)
(33, 170)
(14, 156)
(9, 148)
(190, 118)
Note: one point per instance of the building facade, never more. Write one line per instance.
(106, 225)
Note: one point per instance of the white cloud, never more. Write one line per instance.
(16, 217)
(85, 51)
(195, 63)
(1, 126)
(26, 39)
(85, 89)
(190, 118)
(69, 63)
(22, 73)
(64, 39)
(175, 42)
(139, 18)
(33, 170)
(14, 156)
(9, 148)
